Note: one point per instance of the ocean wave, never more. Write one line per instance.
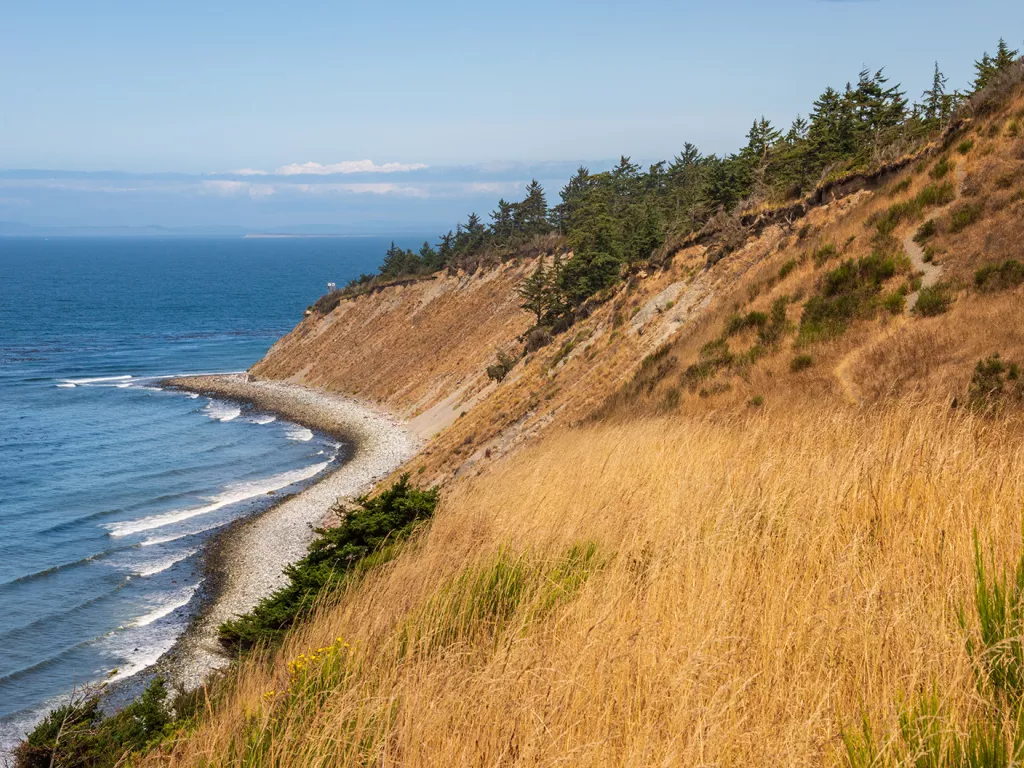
(178, 600)
(160, 566)
(298, 433)
(65, 385)
(219, 411)
(95, 380)
(233, 494)
(151, 542)
(264, 418)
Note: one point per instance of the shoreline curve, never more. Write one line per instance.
(251, 555)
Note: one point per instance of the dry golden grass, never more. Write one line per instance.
(757, 583)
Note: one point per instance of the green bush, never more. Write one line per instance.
(367, 536)
(739, 323)
(964, 215)
(908, 210)
(846, 292)
(900, 187)
(504, 365)
(895, 302)
(933, 300)
(825, 254)
(772, 331)
(786, 268)
(997, 277)
(925, 231)
(79, 735)
(993, 382)
(801, 363)
(756, 401)
(965, 146)
(941, 168)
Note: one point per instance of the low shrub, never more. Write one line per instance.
(941, 168)
(739, 323)
(900, 187)
(537, 338)
(78, 733)
(925, 231)
(756, 401)
(772, 331)
(994, 381)
(801, 363)
(500, 369)
(825, 254)
(368, 535)
(786, 268)
(964, 215)
(933, 300)
(895, 302)
(845, 292)
(965, 146)
(998, 277)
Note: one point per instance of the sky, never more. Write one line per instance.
(369, 116)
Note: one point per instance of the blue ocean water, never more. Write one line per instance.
(109, 486)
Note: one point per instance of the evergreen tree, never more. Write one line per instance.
(535, 290)
(936, 101)
(532, 213)
(503, 222)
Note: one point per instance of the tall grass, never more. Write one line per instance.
(736, 590)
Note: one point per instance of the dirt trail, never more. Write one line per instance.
(930, 273)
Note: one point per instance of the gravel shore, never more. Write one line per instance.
(251, 556)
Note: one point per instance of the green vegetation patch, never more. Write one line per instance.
(367, 536)
(964, 215)
(995, 382)
(999, 277)
(933, 300)
(846, 292)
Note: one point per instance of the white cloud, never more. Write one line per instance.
(226, 188)
(249, 172)
(346, 166)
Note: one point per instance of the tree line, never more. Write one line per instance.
(622, 216)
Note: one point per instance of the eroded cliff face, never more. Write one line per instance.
(422, 349)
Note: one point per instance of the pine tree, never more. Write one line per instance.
(935, 98)
(1004, 56)
(534, 291)
(532, 212)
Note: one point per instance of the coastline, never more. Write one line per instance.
(248, 559)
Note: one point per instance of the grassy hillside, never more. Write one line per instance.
(732, 589)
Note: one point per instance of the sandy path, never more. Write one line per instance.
(929, 271)
(254, 553)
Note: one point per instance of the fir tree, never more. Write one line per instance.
(535, 291)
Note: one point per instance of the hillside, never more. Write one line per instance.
(757, 502)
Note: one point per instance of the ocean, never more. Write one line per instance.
(109, 486)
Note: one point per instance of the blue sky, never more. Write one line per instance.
(143, 111)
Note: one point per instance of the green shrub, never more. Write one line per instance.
(933, 300)
(772, 331)
(941, 168)
(908, 210)
(756, 401)
(801, 363)
(78, 734)
(499, 370)
(895, 303)
(994, 381)
(1013, 129)
(825, 254)
(965, 146)
(786, 268)
(845, 293)
(900, 187)
(367, 536)
(925, 231)
(998, 277)
(739, 323)
(804, 231)
(928, 255)
(964, 215)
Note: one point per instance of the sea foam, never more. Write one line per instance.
(233, 494)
